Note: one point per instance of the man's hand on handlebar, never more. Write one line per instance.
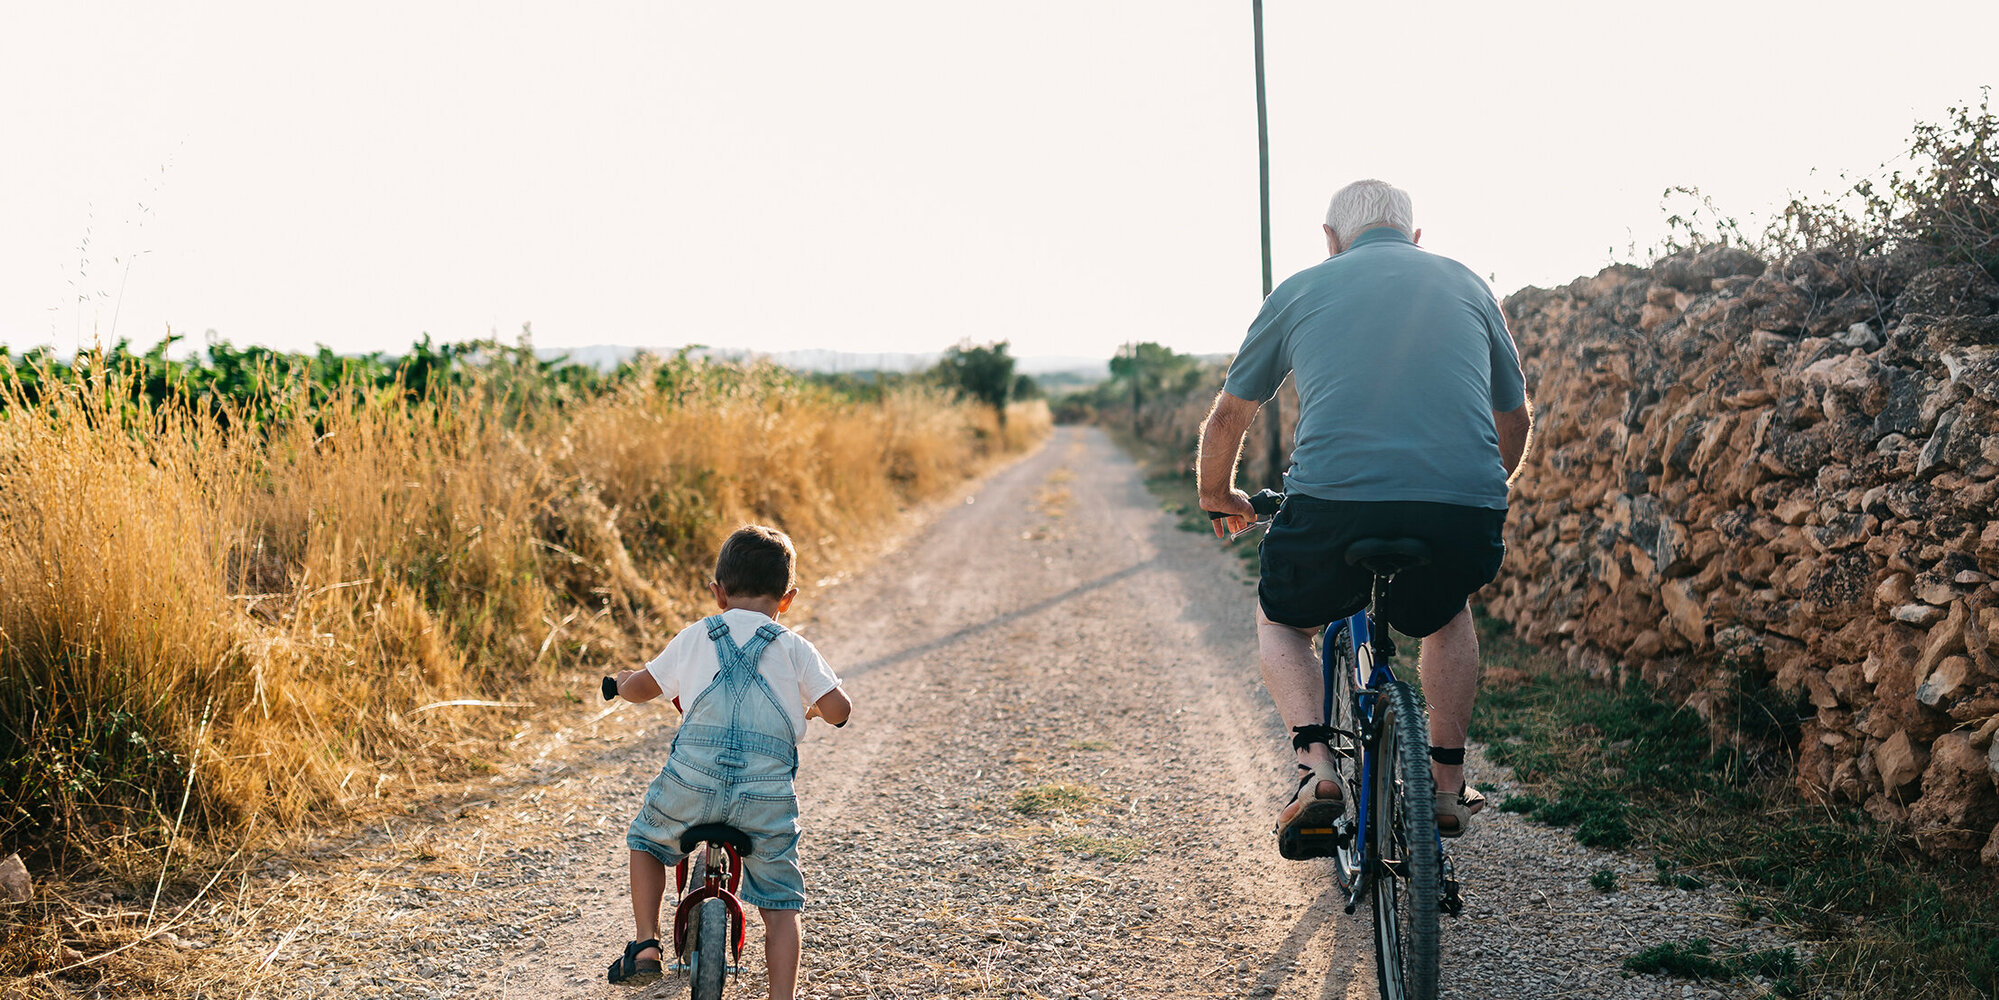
(1230, 512)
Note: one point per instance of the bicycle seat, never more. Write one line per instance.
(721, 833)
(1388, 556)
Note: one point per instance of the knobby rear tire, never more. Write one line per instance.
(711, 950)
(1403, 818)
(1340, 692)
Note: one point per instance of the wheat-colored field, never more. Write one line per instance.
(226, 618)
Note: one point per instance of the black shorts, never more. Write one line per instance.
(1307, 583)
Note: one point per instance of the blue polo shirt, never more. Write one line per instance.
(1400, 357)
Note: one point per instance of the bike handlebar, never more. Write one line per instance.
(1264, 502)
(610, 688)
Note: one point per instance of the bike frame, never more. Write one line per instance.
(1370, 674)
(724, 877)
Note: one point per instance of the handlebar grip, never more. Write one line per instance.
(1264, 502)
(610, 688)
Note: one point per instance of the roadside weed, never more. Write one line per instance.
(1622, 769)
(1057, 799)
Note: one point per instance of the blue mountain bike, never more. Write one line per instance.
(1385, 847)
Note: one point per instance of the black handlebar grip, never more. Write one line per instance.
(1266, 501)
(610, 688)
(1263, 502)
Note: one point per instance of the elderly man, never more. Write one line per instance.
(1412, 418)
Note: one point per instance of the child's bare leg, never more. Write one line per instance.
(781, 947)
(648, 888)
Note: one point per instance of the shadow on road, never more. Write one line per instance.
(1328, 907)
(998, 620)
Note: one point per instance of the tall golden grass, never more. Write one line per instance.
(250, 619)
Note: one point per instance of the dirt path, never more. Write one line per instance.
(1059, 782)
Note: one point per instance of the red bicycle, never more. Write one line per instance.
(708, 921)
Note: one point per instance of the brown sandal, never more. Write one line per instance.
(1458, 807)
(1319, 828)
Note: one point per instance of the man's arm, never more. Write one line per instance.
(1221, 449)
(1514, 426)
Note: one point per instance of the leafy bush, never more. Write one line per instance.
(1942, 207)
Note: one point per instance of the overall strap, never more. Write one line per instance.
(766, 634)
(728, 658)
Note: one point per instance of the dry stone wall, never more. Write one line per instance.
(1760, 478)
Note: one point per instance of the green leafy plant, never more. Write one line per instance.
(1939, 206)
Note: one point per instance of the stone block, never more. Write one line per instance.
(15, 884)
(1899, 761)
(1893, 592)
(1647, 645)
(1950, 680)
(1951, 290)
(1918, 614)
(1959, 807)
(1684, 613)
(1945, 638)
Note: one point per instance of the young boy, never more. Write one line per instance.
(746, 687)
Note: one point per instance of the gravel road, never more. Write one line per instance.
(1059, 782)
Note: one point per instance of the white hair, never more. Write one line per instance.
(1366, 204)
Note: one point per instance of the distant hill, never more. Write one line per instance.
(1073, 370)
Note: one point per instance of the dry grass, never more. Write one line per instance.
(225, 627)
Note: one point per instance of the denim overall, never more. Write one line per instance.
(732, 762)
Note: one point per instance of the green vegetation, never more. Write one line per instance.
(257, 383)
(1147, 381)
(1941, 207)
(1623, 769)
(1103, 848)
(1696, 959)
(980, 372)
(1056, 799)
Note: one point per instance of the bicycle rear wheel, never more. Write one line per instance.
(711, 950)
(1339, 658)
(1403, 826)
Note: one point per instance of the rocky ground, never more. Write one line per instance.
(1059, 782)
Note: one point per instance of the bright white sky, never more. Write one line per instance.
(880, 176)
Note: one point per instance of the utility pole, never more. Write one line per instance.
(1134, 388)
(1273, 431)
(1262, 144)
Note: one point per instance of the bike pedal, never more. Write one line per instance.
(1307, 843)
(1453, 901)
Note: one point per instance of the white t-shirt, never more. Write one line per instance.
(789, 664)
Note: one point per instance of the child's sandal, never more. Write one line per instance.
(630, 968)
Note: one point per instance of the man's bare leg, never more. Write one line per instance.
(1292, 674)
(1449, 662)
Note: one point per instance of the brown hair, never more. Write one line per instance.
(757, 562)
